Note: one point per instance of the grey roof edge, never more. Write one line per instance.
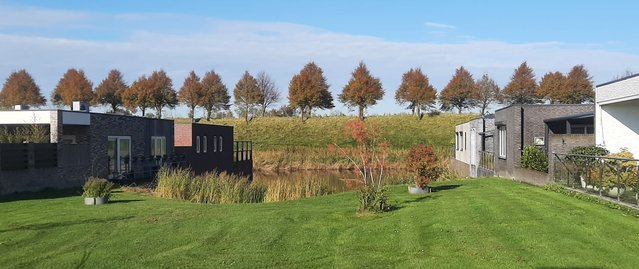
(574, 116)
(531, 105)
(617, 80)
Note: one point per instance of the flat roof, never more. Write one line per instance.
(617, 80)
(529, 105)
(572, 117)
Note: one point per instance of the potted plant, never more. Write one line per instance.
(97, 191)
(425, 165)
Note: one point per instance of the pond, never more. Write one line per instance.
(338, 180)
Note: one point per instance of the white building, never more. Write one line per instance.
(617, 115)
(471, 138)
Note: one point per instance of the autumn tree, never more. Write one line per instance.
(247, 95)
(488, 92)
(161, 92)
(522, 88)
(552, 87)
(308, 89)
(191, 93)
(109, 91)
(21, 89)
(460, 92)
(215, 95)
(579, 86)
(270, 93)
(138, 96)
(362, 90)
(73, 86)
(415, 90)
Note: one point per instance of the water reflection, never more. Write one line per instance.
(338, 180)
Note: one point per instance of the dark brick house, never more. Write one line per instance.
(519, 125)
(82, 144)
(206, 147)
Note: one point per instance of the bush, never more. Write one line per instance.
(534, 158)
(210, 188)
(97, 187)
(286, 189)
(423, 161)
(372, 199)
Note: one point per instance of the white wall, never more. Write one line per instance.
(462, 153)
(617, 126)
(25, 117)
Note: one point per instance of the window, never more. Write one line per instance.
(119, 155)
(221, 144)
(197, 144)
(214, 143)
(502, 141)
(158, 146)
(465, 144)
(204, 144)
(582, 129)
(456, 140)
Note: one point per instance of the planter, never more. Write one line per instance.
(89, 201)
(614, 192)
(418, 190)
(101, 200)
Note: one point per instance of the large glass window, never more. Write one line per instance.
(158, 146)
(204, 144)
(214, 143)
(502, 141)
(119, 154)
(221, 144)
(197, 144)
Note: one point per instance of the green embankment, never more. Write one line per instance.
(486, 223)
(288, 143)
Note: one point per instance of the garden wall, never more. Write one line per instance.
(527, 176)
(460, 168)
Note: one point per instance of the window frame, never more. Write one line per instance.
(502, 142)
(197, 144)
(204, 144)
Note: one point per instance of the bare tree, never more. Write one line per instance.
(270, 92)
(488, 92)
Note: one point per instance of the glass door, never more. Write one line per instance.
(119, 153)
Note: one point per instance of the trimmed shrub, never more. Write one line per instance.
(534, 158)
(97, 187)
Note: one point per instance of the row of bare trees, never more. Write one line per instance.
(308, 90)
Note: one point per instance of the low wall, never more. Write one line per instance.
(527, 176)
(37, 179)
(460, 168)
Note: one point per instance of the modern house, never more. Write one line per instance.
(472, 139)
(82, 144)
(617, 114)
(520, 125)
(211, 148)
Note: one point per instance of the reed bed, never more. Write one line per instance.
(284, 189)
(209, 188)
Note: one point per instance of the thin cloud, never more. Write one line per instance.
(436, 25)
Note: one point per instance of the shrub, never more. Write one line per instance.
(372, 199)
(534, 158)
(97, 187)
(622, 172)
(210, 188)
(423, 162)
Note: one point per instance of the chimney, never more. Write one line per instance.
(80, 106)
(21, 107)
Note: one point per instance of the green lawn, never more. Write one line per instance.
(488, 223)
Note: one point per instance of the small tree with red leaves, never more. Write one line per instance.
(423, 161)
(369, 158)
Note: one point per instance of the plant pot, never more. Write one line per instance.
(417, 190)
(89, 201)
(101, 200)
(613, 192)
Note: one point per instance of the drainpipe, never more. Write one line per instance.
(521, 133)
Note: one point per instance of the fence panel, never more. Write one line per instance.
(615, 178)
(74, 155)
(14, 157)
(45, 155)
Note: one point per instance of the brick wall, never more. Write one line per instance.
(183, 135)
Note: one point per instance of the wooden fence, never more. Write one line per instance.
(25, 156)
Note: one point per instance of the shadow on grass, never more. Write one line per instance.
(444, 187)
(405, 202)
(45, 194)
(124, 201)
(53, 225)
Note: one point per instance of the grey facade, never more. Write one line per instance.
(521, 125)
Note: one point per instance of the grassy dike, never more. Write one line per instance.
(289, 144)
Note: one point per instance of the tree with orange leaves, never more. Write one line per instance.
(215, 94)
(522, 88)
(363, 90)
(247, 95)
(416, 90)
(138, 96)
(110, 90)
(552, 87)
(308, 90)
(191, 93)
(73, 86)
(460, 92)
(21, 89)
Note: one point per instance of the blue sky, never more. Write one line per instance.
(47, 37)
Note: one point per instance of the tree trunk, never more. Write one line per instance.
(459, 111)
(209, 111)
(483, 110)
(192, 113)
(263, 110)
(419, 112)
(143, 111)
(302, 114)
(158, 110)
(246, 114)
(361, 113)
(114, 107)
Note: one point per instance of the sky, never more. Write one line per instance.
(279, 37)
